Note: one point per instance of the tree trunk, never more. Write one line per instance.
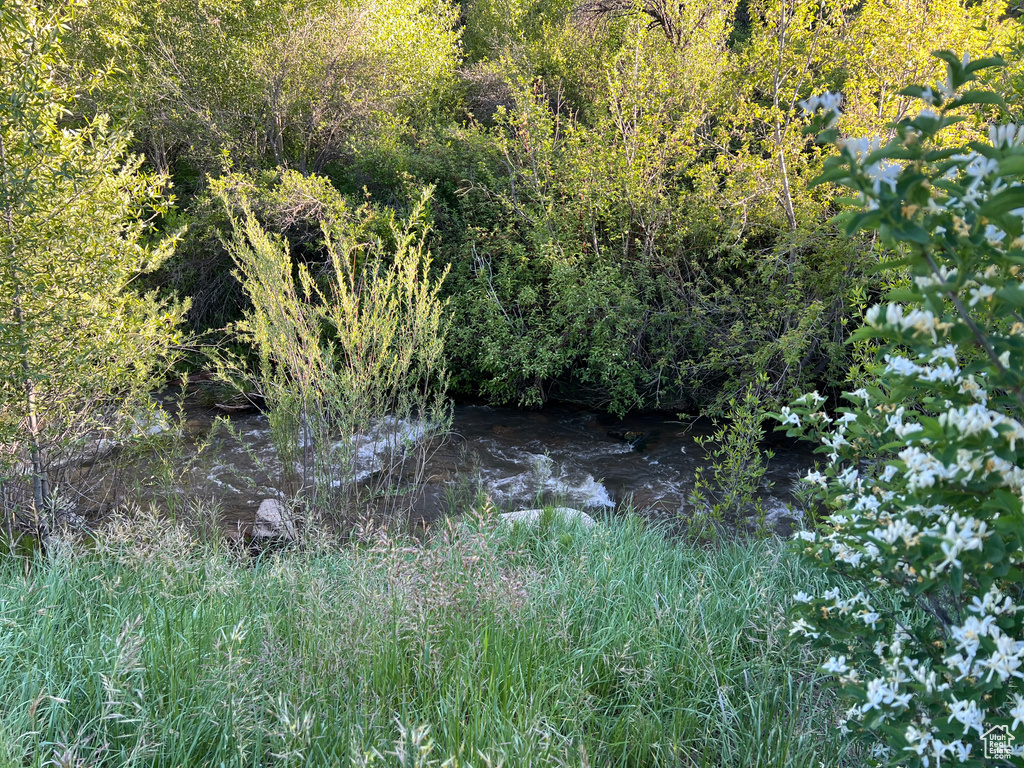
(40, 491)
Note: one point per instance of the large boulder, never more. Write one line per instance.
(565, 515)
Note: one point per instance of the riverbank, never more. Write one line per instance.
(487, 646)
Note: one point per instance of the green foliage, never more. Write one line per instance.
(647, 236)
(268, 83)
(79, 349)
(350, 355)
(285, 202)
(617, 647)
(737, 466)
(924, 476)
(621, 188)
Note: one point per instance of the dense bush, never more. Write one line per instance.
(267, 83)
(621, 189)
(350, 355)
(646, 236)
(923, 478)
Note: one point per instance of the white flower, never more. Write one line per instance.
(835, 442)
(968, 636)
(1017, 713)
(960, 536)
(963, 751)
(940, 373)
(917, 740)
(858, 149)
(888, 473)
(816, 478)
(861, 394)
(994, 602)
(944, 275)
(881, 752)
(1008, 135)
(962, 665)
(967, 714)
(827, 102)
(981, 292)
(979, 166)
(877, 692)
(881, 173)
(972, 420)
(902, 700)
(1006, 660)
(849, 478)
(994, 235)
(836, 666)
(923, 469)
(870, 618)
(811, 398)
(801, 627)
(945, 352)
(788, 417)
(901, 366)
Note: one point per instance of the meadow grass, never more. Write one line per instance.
(483, 647)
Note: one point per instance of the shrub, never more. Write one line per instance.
(925, 468)
(349, 355)
(737, 465)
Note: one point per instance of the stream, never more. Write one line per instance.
(577, 458)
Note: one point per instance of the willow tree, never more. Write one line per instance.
(78, 347)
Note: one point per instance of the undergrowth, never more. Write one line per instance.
(484, 646)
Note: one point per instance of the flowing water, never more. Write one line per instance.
(516, 458)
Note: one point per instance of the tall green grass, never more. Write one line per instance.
(487, 646)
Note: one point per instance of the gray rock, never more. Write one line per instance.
(273, 521)
(567, 515)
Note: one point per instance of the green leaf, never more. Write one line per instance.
(995, 549)
(956, 580)
(978, 97)
(1007, 200)
(915, 91)
(1002, 501)
(1012, 165)
(986, 63)
(949, 57)
(913, 233)
(1012, 294)
(938, 155)
(830, 176)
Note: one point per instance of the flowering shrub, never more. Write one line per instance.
(925, 469)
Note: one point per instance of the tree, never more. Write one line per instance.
(272, 83)
(77, 345)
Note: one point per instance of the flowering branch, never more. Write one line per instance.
(925, 471)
